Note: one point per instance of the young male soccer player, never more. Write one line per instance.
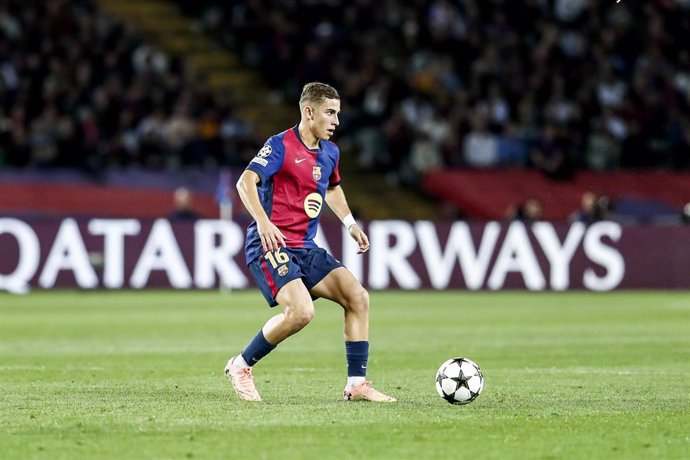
(284, 188)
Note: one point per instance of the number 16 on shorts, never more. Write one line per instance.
(278, 259)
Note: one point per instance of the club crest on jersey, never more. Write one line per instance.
(282, 270)
(316, 172)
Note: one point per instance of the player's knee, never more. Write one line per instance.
(359, 300)
(301, 316)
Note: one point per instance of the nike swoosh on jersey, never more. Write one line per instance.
(299, 160)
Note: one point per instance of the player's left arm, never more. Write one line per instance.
(335, 198)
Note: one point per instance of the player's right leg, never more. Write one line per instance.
(298, 311)
(282, 286)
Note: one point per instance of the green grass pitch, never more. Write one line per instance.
(140, 375)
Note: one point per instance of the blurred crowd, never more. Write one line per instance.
(79, 89)
(550, 84)
(593, 208)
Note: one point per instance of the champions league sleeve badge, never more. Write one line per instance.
(260, 157)
(265, 151)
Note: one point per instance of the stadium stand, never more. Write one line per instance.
(560, 86)
(152, 94)
(433, 91)
(636, 196)
(129, 104)
(131, 193)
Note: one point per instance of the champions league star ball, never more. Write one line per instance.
(459, 381)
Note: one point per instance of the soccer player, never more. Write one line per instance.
(284, 188)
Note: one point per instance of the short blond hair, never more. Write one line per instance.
(317, 92)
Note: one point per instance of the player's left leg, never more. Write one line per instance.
(340, 286)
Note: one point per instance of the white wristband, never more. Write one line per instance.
(349, 221)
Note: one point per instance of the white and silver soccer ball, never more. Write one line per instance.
(459, 381)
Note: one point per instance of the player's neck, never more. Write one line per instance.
(308, 138)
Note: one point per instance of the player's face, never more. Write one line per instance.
(325, 118)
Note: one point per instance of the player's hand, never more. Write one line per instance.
(271, 237)
(360, 237)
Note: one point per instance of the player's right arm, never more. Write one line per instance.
(271, 237)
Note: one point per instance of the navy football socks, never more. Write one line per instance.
(357, 354)
(257, 349)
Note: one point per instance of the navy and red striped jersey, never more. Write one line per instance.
(292, 190)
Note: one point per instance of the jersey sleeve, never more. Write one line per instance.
(334, 180)
(269, 159)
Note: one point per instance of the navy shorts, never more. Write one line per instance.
(275, 269)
